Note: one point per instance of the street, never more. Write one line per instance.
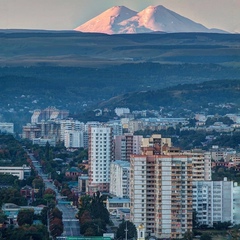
(71, 224)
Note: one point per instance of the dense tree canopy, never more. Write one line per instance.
(25, 216)
(131, 230)
(27, 232)
(93, 215)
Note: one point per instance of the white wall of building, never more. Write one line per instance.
(236, 204)
(119, 178)
(74, 139)
(20, 172)
(6, 127)
(100, 154)
(70, 124)
(213, 201)
(121, 111)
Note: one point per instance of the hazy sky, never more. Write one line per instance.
(68, 14)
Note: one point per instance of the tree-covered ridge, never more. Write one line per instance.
(194, 97)
(75, 71)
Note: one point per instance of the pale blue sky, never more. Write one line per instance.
(68, 14)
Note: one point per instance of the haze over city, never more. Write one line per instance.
(67, 15)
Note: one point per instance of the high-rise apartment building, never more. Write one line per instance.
(100, 156)
(70, 124)
(31, 131)
(213, 201)
(50, 113)
(125, 145)
(161, 194)
(74, 139)
(44, 129)
(236, 203)
(119, 178)
(156, 145)
(116, 126)
(201, 161)
(161, 189)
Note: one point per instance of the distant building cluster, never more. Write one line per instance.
(155, 185)
(50, 113)
(159, 186)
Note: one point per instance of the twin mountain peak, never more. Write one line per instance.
(122, 20)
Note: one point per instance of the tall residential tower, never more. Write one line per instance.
(100, 157)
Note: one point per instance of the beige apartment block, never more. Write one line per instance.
(161, 194)
(201, 161)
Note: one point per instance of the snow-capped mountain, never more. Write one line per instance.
(108, 21)
(120, 19)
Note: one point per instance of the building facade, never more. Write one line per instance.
(213, 201)
(70, 124)
(119, 178)
(74, 139)
(50, 113)
(201, 161)
(161, 194)
(126, 145)
(21, 172)
(100, 156)
(6, 127)
(116, 127)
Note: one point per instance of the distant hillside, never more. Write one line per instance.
(68, 86)
(75, 49)
(76, 71)
(195, 97)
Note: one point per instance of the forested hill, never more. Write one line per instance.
(88, 84)
(76, 71)
(220, 95)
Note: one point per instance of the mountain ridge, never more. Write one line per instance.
(202, 95)
(120, 19)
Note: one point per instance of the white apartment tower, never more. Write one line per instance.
(119, 178)
(213, 201)
(100, 156)
(70, 124)
(161, 194)
(116, 127)
(236, 203)
(74, 139)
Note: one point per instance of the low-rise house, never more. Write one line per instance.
(73, 172)
(27, 192)
(11, 210)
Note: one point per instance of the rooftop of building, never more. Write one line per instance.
(74, 169)
(122, 163)
(118, 200)
(124, 210)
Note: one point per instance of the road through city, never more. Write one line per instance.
(71, 224)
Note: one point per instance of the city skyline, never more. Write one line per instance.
(67, 15)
